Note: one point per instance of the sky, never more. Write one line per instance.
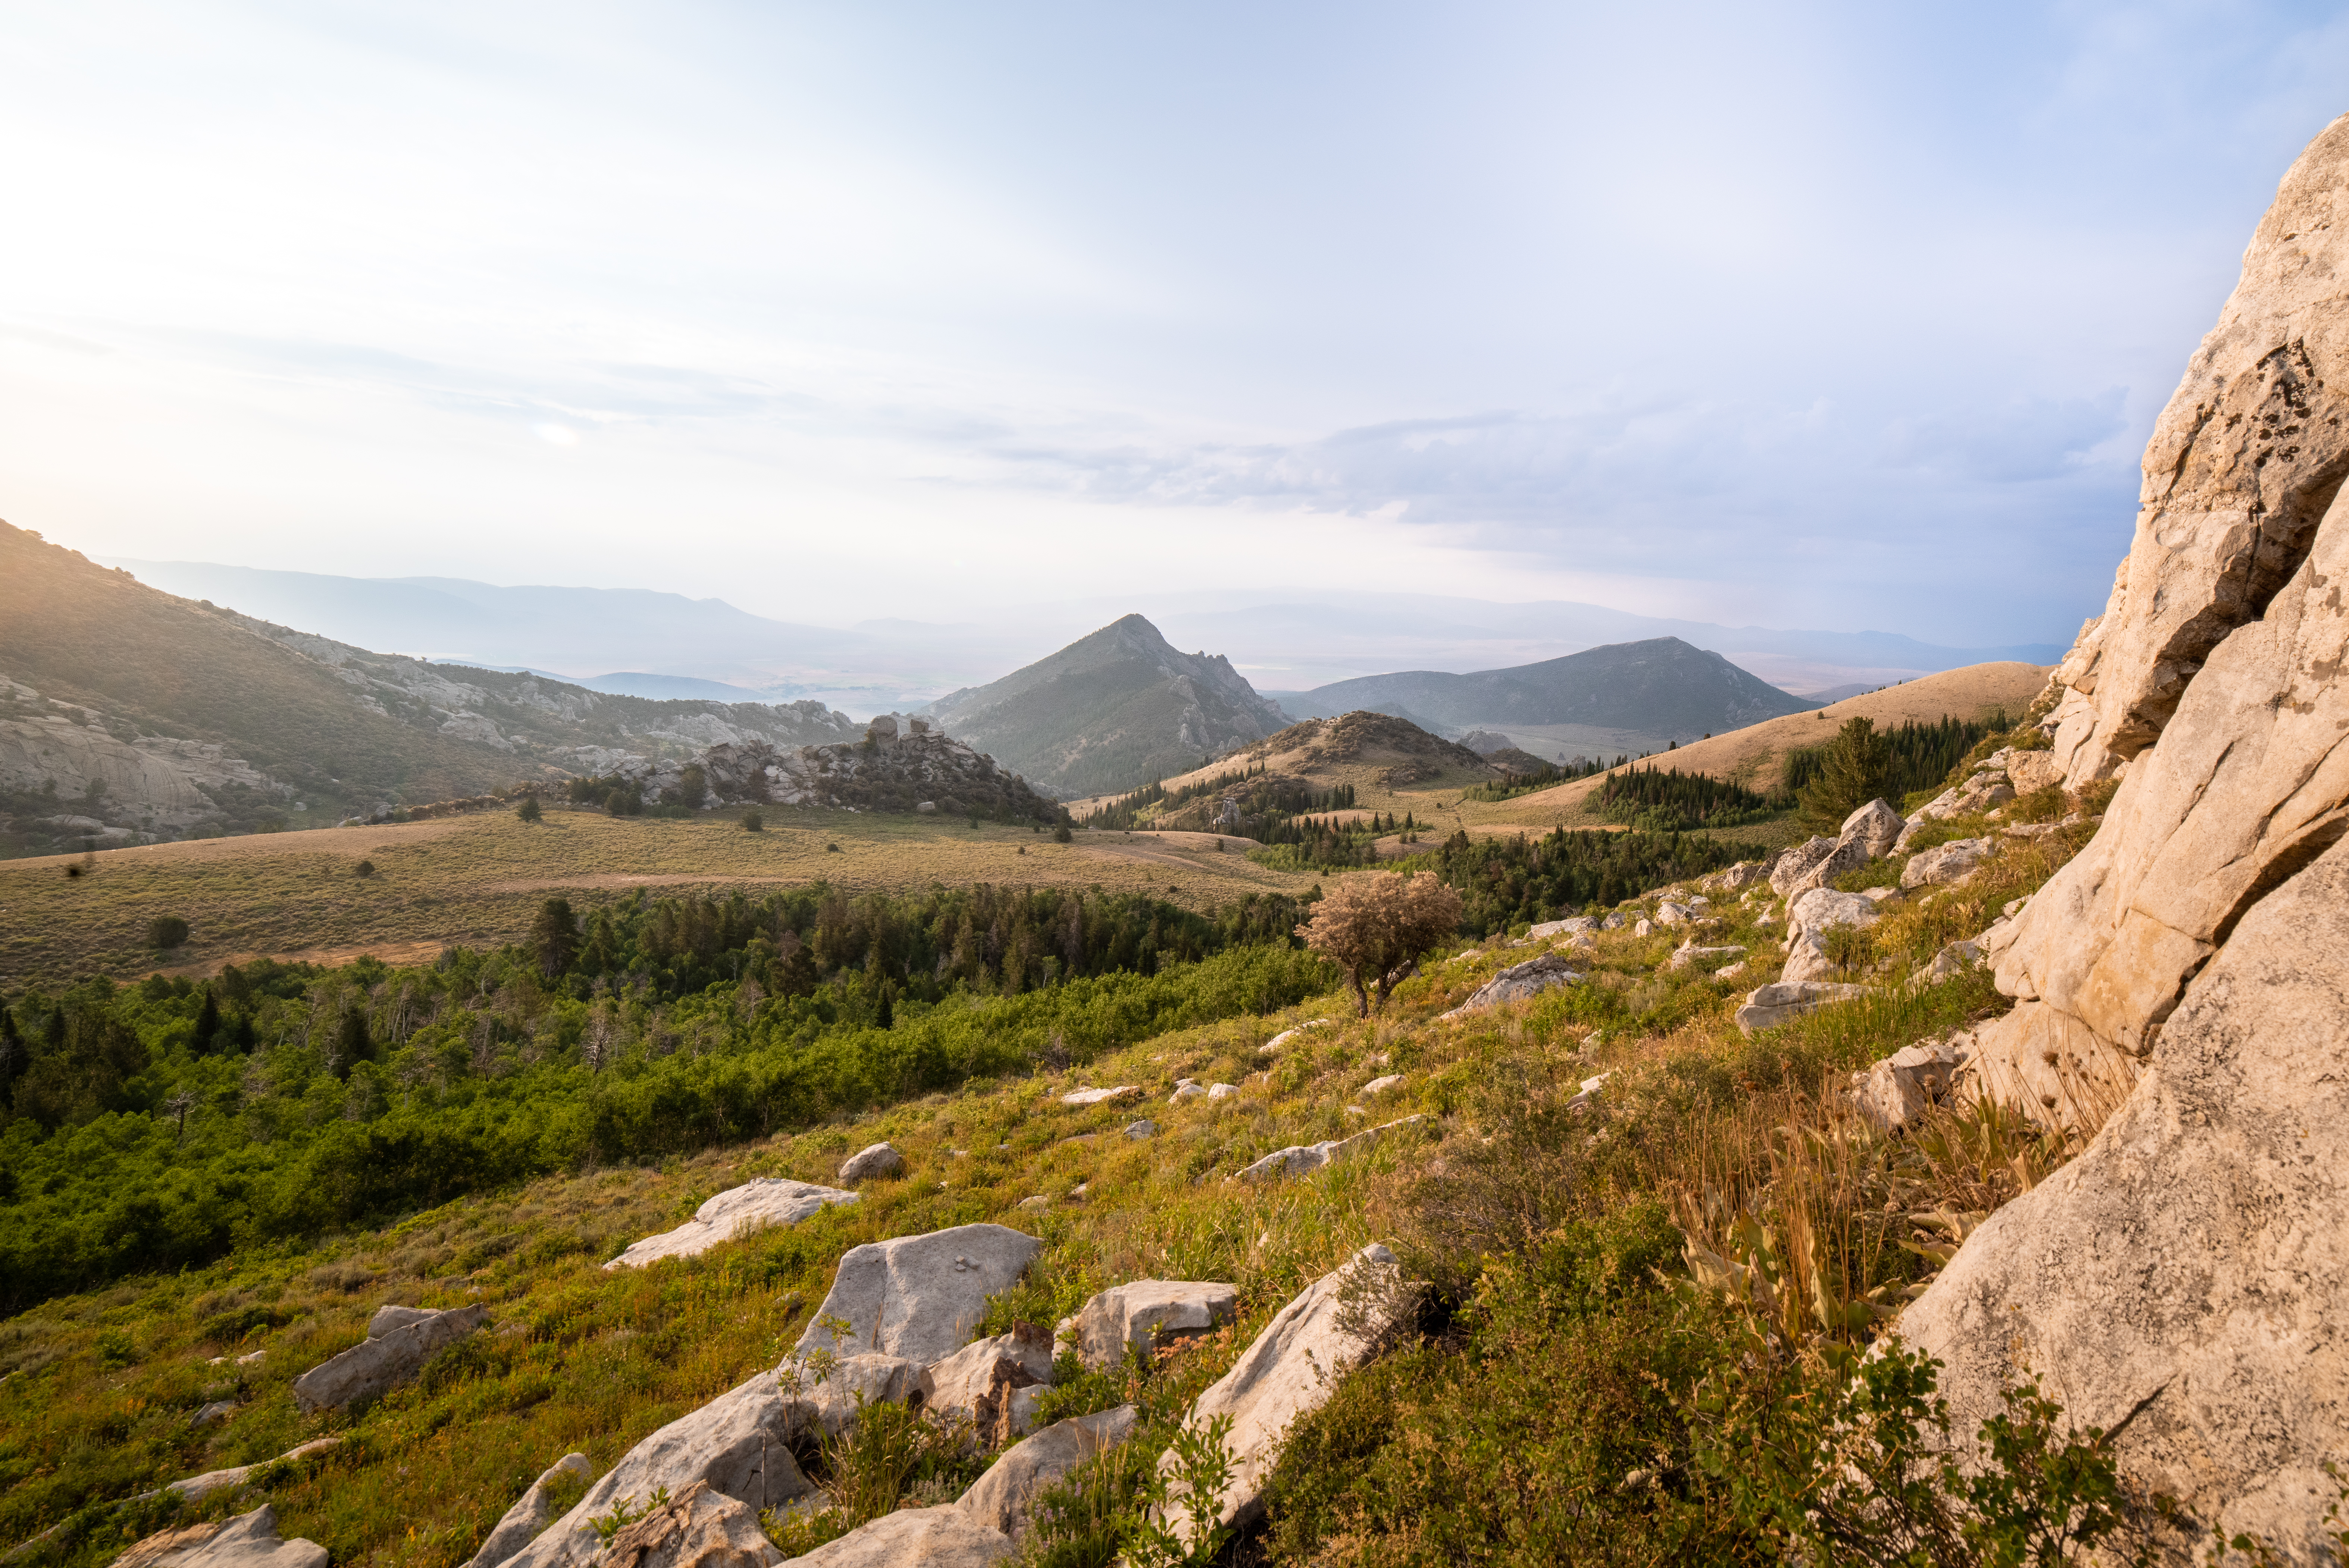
(1841, 316)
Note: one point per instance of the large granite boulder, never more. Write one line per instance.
(1005, 1498)
(828, 1392)
(384, 1361)
(1945, 864)
(919, 1297)
(247, 1541)
(195, 1488)
(1138, 1316)
(1792, 865)
(1292, 1368)
(941, 1537)
(698, 1527)
(2241, 466)
(528, 1516)
(1874, 828)
(738, 1444)
(1781, 1002)
(2184, 1283)
(871, 1163)
(737, 1211)
(1894, 1095)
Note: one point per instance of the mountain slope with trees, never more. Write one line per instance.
(1110, 710)
(1661, 686)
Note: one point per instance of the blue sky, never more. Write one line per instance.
(1841, 316)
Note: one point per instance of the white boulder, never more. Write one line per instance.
(1099, 1097)
(698, 1527)
(1005, 1498)
(1874, 828)
(247, 1541)
(1141, 1315)
(738, 1212)
(1301, 1159)
(919, 1296)
(1809, 919)
(941, 1537)
(1331, 1327)
(1946, 863)
(378, 1363)
(528, 1516)
(1518, 982)
(1893, 1094)
(878, 1161)
(1781, 1000)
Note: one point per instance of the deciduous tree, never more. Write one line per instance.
(1376, 925)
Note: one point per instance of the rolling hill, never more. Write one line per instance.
(128, 713)
(1110, 712)
(1659, 691)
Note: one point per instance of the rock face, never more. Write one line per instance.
(527, 1517)
(1518, 982)
(919, 1296)
(944, 1537)
(1141, 1315)
(247, 1541)
(2185, 1281)
(1874, 828)
(698, 1529)
(1301, 1159)
(1292, 1368)
(738, 1444)
(737, 1211)
(828, 1402)
(1809, 918)
(2241, 467)
(867, 1164)
(384, 1361)
(1005, 1497)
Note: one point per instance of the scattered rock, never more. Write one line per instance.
(1099, 1097)
(1187, 1090)
(1737, 879)
(1292, 1368)
(1519, 982)
(375, 1364)
(195, 1488)
(1735, 971)
(527, 1517)
(697, 1529)
(1612, 920)
(1036, 1203)
(1300, 1160)
(1780, 1001)
(974, 1382)
(942, 1537)
(919, 1296)
(1005, 1498)
(247, 1541)
(737, 1211)
(1953, 961)
(1222, 1091)
(1141, 1129)
(218, 1410)
(1573, 925)
(253, 1358)
(1793, 864)
(868, 1164)
(1809, 918)
(1688, 953)
(1892, 1095)
(1285, 1035)
(1588, 1092)
(1670, 914)
(1381, 1085)
(1940, 866)
(1141, 1315)
(1874, 828)
(1645, 927)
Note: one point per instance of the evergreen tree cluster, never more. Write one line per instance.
(1864, 764)
(1506, 882)
(1544, 777)
(1669, 801)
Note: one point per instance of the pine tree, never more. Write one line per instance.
(1851, 775)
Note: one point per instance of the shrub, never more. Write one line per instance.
(752, 822)
(529, 810)
(1376, 925)
(166, 933)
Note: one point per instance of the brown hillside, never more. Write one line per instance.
(90, 635)
(1754, 755)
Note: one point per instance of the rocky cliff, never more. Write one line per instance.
(2185, 1281)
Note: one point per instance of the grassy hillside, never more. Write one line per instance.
(480, 878)
(83, 634)
(1582, 1387)
(1109, 711)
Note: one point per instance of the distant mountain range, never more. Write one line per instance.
(1661, 687)
(1110, 710)
(1290, 642)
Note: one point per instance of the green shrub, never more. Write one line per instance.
(166, 933)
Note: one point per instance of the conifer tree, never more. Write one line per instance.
(1851, 775)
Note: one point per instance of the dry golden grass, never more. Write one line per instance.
(478, 880)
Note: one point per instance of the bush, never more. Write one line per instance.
(1376, 925)
(166, 933)
(529, 810)
(752, 822)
